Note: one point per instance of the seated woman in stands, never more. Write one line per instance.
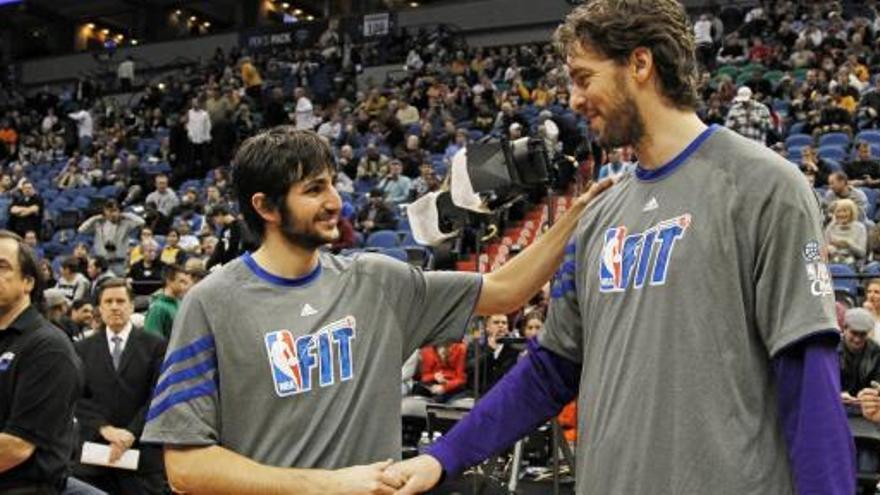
(846, 237)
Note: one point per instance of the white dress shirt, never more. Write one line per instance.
(124, 334)
(198, 126)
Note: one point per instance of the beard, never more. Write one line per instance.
(624, 125)
(302, 236)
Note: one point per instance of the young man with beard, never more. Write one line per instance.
(284, 365)
(676, 394)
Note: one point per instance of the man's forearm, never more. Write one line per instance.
(13, 451)
(511, 286)
(219, 471)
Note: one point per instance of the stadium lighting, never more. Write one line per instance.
(285, 5)
(105, 32)
(206, 24)
(297, 12)
(414, 4)
(134, 42)
(90, 25)
(193, 19)
(178, 12)
(310, 18)
(119, 37)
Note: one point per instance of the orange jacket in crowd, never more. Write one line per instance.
(568, 421)
(453, 369)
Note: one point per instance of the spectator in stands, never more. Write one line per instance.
(425, 183)
(137, 253)
(164, 305)
(72, 176)
(859, 355)
(253, 83)
(146, 274)
(704, 41)
(125, 74)
(98, 272)
(45, 268)
(275, 114)
(864, 167)
(56, 307)
(121, 365)
(496, 357)
(839, 188)
(733, 51)
(31, 239)
(235, 238)
(375, 215)
(164, 197)
(373, 165)
(172, 253)
(305, 111)
(615, 166)
(412, 156)
(26, 210)
(443, 374)
(112, 229)
(846, 237)
(72, 284)
(813, 164)
(395, 186)
(406, 114)
(533, 324)
(85, 128)
(869, 107)
(748, 117)
(39, 383)
(198, 132)
(82, 315)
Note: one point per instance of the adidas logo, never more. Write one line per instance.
(308, 310)
(651, 205)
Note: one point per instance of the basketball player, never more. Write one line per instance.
(695, 314)
(289, 358)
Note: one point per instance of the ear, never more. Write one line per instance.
(264, 207)
(641, 62)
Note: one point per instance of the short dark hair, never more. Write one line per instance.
(79, 303)
(170, 271)
(111, 204)
(70, 263)
(101, 263)
(615, 28)
(29, 266)
(271, 162)
(112, 283)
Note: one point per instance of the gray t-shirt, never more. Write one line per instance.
(676, 339)
(303, 373)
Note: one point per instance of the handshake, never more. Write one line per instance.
(416, 475)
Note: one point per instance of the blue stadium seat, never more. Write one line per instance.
(834, 165)
(834, 139)
(383, 239)
(406, 238)
(796, 128)
(872, 195)
(870, 135)
(872, 268)
(844, 279)
(799, 140)
(832, 153)
(358, 239)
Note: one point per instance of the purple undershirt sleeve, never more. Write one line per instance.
(820, 445)
(538, 387)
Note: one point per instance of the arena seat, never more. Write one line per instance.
(799, 140)
(838, 139)
(383, 239)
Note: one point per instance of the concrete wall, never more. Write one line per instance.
(155, 54)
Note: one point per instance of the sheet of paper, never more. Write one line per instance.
(98, 454)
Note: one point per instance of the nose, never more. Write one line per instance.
(333, 201)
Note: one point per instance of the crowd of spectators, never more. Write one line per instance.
(103, 190)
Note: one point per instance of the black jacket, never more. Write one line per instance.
(119, 398)
(858, 370)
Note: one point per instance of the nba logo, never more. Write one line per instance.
(625, 259)
(284, 362)
(611, 264)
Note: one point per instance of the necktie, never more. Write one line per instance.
(116, 352)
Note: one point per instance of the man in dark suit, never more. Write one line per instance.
(121, 367)
(496, 357)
